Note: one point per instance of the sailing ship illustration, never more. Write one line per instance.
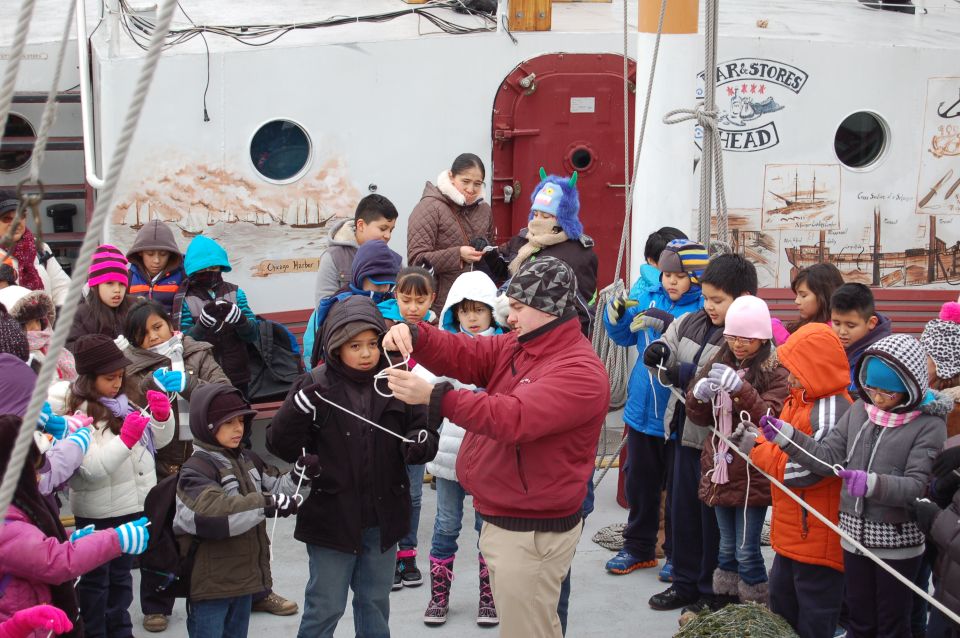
(136, 223)
(309, 212)
(799, 201)
(194, 223)
(937, 263)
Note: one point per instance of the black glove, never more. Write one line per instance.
(283, 506)
(657, 353)
(421, 450)
(307, 467)
(307, 401)
(230, 312)
(947, 462)
(210, 315)
(926, 512)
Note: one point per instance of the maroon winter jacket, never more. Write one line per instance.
(532, 432)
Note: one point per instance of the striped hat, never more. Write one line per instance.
(108, 264)
(683, 255)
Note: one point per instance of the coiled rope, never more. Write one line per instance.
(90, 242)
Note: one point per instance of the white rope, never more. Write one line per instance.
(50, 108)
(421, 438)
(705, 114)
(90, 242)
(15, 58)
(827, 522)
(382, 374)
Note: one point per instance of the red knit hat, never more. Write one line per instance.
(108, 264)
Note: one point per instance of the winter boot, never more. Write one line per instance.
(487, 611)
(441, 574)
(756, 593)
(410, 575)
(725, 588)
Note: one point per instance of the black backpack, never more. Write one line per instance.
(275, 362)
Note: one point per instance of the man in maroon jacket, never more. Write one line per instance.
(531, 434)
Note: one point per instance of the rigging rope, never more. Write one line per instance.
(90, 242)
(15, 58)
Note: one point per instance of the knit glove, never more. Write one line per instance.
(209, 315)
(704, 390)
(132, 429)
(617, 307)
(947, 463)
(159, 405)
(926, 512)
(776, 430)
(133, 536)
(53, 424)
(307, 401)
(43, 618)
(653, 318)
(280, 505)
(82, 438)
(744, 436)
(306, 467)
(230, 312)
(725, 377)
(170, 380)
(121, 343)
(656, 354)
(78, 420)
(858, 482)
(420, 451)
(80, 532)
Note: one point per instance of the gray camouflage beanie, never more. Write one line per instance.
(545, 283)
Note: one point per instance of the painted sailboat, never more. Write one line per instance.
(799, 201)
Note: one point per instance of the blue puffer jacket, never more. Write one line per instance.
(646, 398)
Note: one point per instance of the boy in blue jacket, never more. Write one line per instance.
(638, 320)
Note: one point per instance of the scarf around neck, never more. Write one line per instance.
(25, 252)
(119, 406)
(540, 234)
(889, 419)
(39, 342)
(172, 349)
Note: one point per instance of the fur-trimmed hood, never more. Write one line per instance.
(32, 305)
(448, 190)
(907, 358)
(938, 403)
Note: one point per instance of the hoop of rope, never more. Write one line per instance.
(705, 114)
(830, 525)
(90, 242)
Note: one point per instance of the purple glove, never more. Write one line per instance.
(771, 426)
(856, 482)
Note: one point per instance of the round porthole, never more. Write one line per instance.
(861, 139)
(280, 151)
(581, 158)
(16, 153)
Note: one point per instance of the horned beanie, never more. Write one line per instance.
(108, 264)
(547, 284)
(941, 340)
(558, 196)
(683, 255)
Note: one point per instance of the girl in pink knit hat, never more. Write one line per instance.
(104, 308)
(743, 382)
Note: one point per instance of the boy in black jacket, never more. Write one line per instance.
(359, 504)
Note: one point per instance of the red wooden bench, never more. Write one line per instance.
(296, 322)
(909, 310)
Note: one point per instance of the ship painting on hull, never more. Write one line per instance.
(801, 197)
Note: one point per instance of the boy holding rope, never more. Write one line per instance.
(883, 449)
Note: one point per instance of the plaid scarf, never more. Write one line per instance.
(25, 253)
(888, 419)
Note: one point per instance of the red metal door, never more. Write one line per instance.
(564, 112)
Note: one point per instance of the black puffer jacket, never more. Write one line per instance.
(363, 481)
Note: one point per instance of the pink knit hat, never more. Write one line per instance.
(749, 317)
(108, 264)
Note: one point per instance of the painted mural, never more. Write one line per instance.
(938, 187)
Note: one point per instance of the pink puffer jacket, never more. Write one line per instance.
(34, 561)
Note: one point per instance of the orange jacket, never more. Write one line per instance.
(818, 362)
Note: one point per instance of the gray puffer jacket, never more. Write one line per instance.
(899, 459)
(945, 533)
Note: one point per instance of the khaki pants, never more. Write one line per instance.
(526, 570)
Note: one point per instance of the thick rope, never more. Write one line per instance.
(90, 242)
(50, 108)
(16, 57)
(826, 521)
(705, 114)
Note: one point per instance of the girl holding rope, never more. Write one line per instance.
(744, 381)
(883, 449)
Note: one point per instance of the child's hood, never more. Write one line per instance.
(815, 356)
(200, 402)
(649, 279)
(355, 309)
(344, 233)
(204, 252)
(475, 286)
(906, 357)
(155, 235)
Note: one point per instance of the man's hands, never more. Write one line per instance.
(407, 386)
(399, 339)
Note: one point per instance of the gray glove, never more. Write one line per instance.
(745, 437)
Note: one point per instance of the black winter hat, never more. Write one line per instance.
(12, 337)
(98, 354)
(224, 407)
(545, 283)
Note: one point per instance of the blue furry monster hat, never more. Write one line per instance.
(558, 196)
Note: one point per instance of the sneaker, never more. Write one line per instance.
(487, 610)
(625, 562)
(666, 573)
(397, 578)
(410, 575)
(155, 623)
(276, 605)
(670, 599)
(441, 575)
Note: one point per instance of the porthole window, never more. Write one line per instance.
(17, 152)
(280, 151)
(861, 139)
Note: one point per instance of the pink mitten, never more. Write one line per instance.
(133, 427)
(159, 405)
(44, 617)
(78, 420)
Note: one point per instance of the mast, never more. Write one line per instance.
(876, 245)
(932, 252)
